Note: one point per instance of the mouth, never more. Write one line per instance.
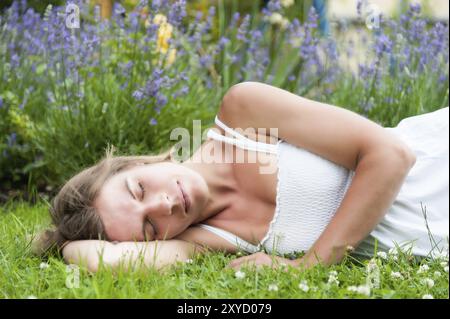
(185, 197)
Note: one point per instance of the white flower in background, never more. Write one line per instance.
(333, 273)
(363, 290)
(303, 286)
(349, 248)
(332, 279)
(239, 274)
(372, 265)
(422, 269)
(440, 255)
(428, 282)
(444, 263)
(287, 3)
(276, 18)
(44, 265)
(273, 287)
(32, 297)
(382, 255)
(437, 274)
(396, 275)
(393, 251)
(446, 269)
(427, 296)
(284, 24)
(189, 261)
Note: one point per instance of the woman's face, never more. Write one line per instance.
(146, 202)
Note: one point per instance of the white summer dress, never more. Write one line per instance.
(311, 188)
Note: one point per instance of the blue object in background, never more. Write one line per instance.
(321, 9)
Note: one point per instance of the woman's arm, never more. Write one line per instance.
(157, 254)
(375, 185)
(380, 160)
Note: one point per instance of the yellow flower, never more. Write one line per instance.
(171, 56)
(159, 19)
(164, 34)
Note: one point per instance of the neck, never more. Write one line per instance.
(221, 184)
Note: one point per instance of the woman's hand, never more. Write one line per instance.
(259, 259)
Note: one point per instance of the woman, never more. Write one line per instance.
(339, 181)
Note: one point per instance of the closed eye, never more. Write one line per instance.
(143, 190)
(145, 227)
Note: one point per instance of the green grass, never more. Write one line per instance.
(21, 274)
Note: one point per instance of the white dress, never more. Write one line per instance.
(311, 188)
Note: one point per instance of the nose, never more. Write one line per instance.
(159, 205)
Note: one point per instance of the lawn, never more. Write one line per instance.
(23, 275)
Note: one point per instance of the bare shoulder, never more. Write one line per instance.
(332, 132)
(204, 238)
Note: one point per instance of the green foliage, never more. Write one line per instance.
(24, 276)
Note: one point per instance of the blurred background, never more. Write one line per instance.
(128, 72)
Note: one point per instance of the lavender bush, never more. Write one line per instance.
(65, 93)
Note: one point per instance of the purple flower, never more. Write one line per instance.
(1, 102)
(205, 60)
(138, 95)
(153, 121)
(243, 29)
(11, 139)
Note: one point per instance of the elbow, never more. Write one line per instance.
(405, 155)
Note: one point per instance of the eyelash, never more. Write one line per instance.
(143, 190)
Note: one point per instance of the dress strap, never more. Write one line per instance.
(240, 140)
(232, 238)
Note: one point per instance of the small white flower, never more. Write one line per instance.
(428, 282)
(364, 290)
(333, 273)
(333, 280)
(440, 255)
(396, 275)
(382, 255)
(287, 3)
(372, 266)
(303, 286)
(427, 296)
(273, 287)
(437, 274)
(423, 268)
(393, 251)
(239, 274)
(443, 264)
(32, 297)
(446, 269)
(44, 265)
(189, 261)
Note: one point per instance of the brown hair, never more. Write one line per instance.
(72, 210)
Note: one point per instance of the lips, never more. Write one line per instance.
(186, 200)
